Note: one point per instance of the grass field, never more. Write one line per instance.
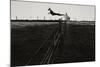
(79, 43)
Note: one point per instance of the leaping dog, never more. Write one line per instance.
(53, 13)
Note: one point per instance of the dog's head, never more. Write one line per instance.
(49, 9)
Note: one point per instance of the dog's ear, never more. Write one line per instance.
(48, 9)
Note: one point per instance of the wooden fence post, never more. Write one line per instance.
(67, 20)
(61, 37)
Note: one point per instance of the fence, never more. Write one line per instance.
(50, 46)
(57, 40)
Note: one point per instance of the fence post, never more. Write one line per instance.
(67, 20)
(16, 17)
(60, 49)
(60, 26)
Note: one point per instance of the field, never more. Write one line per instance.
(78, 45)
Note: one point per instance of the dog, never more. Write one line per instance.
(53, 13)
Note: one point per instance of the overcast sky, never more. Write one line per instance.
(30, 10)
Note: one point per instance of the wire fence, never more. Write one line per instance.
(49, 47)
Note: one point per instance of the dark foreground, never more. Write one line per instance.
(78, 45)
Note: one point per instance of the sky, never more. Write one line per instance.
(32, 10)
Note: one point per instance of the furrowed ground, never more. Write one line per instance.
(79, 43)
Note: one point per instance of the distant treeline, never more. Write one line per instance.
(47, 21)
(36, 20)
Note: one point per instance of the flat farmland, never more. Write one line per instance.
(78, 44)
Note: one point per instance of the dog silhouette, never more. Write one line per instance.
(53, 13)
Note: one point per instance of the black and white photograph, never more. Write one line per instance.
(51, 33)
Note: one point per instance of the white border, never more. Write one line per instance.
(4, 33)
(86, 2)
